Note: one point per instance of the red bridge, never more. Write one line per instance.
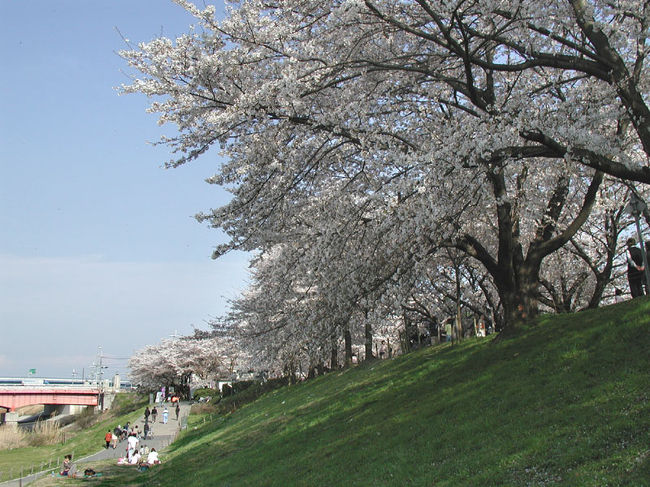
(13, 397)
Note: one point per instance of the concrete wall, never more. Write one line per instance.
(64, 409)
(10, 420)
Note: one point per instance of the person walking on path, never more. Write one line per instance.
(165, 415)
(154, 414)
(178, 410)
(108, 437)
(146, 414)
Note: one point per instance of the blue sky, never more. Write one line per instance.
(98, 243)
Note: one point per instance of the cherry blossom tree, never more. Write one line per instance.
(172, 362)
(367, 136)
(588, 271)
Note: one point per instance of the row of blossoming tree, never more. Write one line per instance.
(175, 362)
(392, 162)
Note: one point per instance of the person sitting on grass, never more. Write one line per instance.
(67, 463)
(135, 458)
(69, 469)
(152, 458)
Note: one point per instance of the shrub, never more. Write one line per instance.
(45, 433)
(242, 385)
(247, 394)
(12, 437)
(204, 408)
(86, 419)
(205, 392)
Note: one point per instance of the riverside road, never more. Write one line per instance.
(163, 436)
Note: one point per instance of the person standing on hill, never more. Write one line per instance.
(448, 330)
(634, 268)
(383, 349)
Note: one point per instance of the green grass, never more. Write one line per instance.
(126, 407)
(563, 402)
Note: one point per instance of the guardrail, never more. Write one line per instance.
(88, 387)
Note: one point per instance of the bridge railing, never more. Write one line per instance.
(76, 387)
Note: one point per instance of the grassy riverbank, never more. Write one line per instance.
(79, 440)
(564, 402)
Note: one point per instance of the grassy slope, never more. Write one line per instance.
(127, 407)
(563, 403)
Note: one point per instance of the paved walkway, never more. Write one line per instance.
(163, 436)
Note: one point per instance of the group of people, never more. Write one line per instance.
(153, 414)
(142, 456)
(139, 456)
(150, 413)
(136, 454)
(120, 433)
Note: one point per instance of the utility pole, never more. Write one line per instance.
(99, 376)
(99, 366)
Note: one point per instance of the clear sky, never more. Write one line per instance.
(98, 244)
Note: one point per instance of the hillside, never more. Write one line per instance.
(565, 402)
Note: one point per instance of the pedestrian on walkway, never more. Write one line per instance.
(178, 410)
(108, 437)
(154, 414)
(146, 414)
(165, 415)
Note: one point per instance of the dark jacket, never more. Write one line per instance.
(634, 253)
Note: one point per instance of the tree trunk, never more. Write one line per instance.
(334, 357)
(520, 301)
(368, 339)
(348, 345)
(517, 277)
(459, 323)
(408, 333)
